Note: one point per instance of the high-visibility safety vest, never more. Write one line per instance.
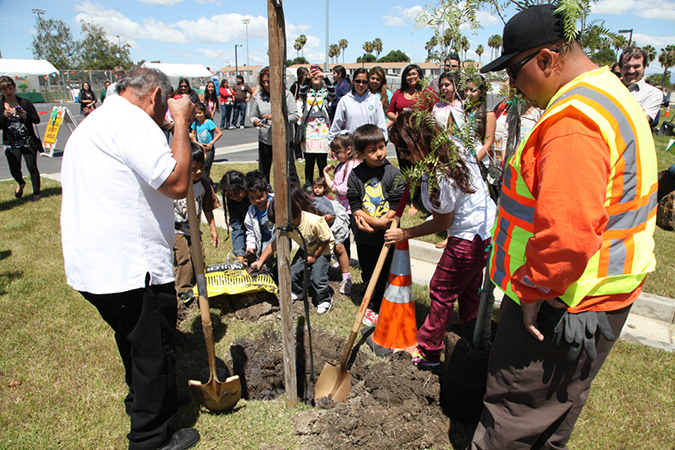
(627, 252)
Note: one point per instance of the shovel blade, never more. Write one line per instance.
(333, 383)
(216, 396)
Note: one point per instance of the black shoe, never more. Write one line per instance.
(182, 440)
(18, 193)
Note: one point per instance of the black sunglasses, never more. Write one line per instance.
(512, 70)
(360, 81)
(183, 85)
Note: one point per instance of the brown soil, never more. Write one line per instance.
(393, 404)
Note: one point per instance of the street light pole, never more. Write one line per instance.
(325, 67)
(39, 13)
(236, 61)
(630, 37)
(248, 68)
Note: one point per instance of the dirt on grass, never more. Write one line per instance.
(393, 404)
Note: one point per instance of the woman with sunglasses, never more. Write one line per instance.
(358, 107)
(410, 96)
(185, 89)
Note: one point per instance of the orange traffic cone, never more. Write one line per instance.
(396, 325)
(667, 114)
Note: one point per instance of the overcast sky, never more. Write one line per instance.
(206, 31)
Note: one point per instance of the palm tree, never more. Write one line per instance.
(302, 39)
(297, 46)
(464, 45)
(650, 51)
(494, 42)
(377, 46)
(343, 46)
(334, 51)
(431, 44)
(368, 47)
(619, 42)
(667, 60)
(479, 51)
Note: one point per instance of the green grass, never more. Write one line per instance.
(61, 379)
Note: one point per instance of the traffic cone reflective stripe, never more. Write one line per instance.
(396, 325)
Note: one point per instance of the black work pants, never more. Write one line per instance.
(13, 155)
(144, 321)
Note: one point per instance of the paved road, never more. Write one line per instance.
(235, 145)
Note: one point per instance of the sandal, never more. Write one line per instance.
(442, 244)
(18, 193)
(412, 210)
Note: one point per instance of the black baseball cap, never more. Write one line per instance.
(530, 28)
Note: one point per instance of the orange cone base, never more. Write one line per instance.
(396, 326)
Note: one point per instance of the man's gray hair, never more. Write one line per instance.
(143, 81)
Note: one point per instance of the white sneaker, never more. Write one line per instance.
(324, 307)
(241, 127)
(231, 127)
(346, 286)
(296, 297)
(369, 318)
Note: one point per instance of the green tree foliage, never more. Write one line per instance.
(395, 56)
(377, 46)
(604, 57)
(650, 51)
(333, 51)
(656, 79)
(667, 60)
(299, 60)
(297, 46)
(367, 58)
(445, 18)
(597, 37)
(54, 42)
(479, 51)
(98, 53)
(343, 44)
(495, 43)
(302, 39)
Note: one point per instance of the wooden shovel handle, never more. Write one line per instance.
(198, 264)
(373, 281)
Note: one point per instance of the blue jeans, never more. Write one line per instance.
(318, 278)
(239, 109)
(225, 113)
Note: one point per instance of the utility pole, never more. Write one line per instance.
(236, 62)
(325, 66)
(39, 13)
(248, 67)
(630, 38)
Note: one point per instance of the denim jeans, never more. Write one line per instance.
(318, 277)
(239, 110)
(225, 113)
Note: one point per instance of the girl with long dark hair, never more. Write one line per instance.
(210, 99)
(459, 201)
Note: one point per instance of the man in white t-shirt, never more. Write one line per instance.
(119, 179)
(633, 62)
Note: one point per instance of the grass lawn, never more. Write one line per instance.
(61, 379)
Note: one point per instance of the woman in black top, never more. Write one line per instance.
(87, 99)
(19, 137)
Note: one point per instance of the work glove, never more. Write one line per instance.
(579, 331)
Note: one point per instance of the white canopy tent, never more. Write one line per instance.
(180, 70)
(25, 67)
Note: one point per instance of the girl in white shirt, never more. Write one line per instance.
(459, 203)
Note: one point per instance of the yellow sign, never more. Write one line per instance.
(53, 126)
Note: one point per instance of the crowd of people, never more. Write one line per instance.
(500, 187)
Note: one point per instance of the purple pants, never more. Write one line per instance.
(458, 277)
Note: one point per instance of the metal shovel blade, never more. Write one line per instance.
(217, 396)
(333, 383)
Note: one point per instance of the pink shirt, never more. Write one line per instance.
(340, 181)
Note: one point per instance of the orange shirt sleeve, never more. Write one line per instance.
(567, 169)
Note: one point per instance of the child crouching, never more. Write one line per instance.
(206, 200)
(318, 240)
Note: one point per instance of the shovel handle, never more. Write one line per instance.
(373, 281)
(198, 264)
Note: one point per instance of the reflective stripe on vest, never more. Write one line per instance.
(626, 255)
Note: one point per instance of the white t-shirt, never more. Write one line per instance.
(649, 97)
(474, 213)
(116, 227)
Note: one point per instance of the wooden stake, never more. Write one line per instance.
(277, 54)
